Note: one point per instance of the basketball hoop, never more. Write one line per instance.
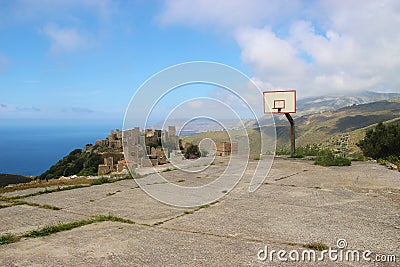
(282, 102)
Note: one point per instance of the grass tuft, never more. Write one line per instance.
(8, 239)
(111, 218)
(204, 206)
(68, 226)
(316, 246)
(45, 206)
(101, 180)
(56, 228)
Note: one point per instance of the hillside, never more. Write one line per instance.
(339, 130)
(342, 128)
(6, 179)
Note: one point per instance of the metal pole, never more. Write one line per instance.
(292, 135)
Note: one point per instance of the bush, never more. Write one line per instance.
(101, 180)
(381, 142)
(301, 151)
(308, 150)
(77, 162)
(282, 151)
(359, 157)
(327, 158)
(381, 161)
(87, 172)
(192, 152)
(393, 159)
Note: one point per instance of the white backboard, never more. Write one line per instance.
(280, 101)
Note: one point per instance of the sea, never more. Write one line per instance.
(33, 149)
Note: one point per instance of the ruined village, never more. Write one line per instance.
(148, 148)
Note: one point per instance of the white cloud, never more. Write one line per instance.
(267, 53)
(80, 110)
(195, 104)
(71, 14)
(316, 47)
(65, 39)
(13, 108)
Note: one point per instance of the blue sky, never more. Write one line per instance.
(73, 62)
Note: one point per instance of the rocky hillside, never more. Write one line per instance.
(342, 128)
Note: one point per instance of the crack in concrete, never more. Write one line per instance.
(235, 237)
(290, 175)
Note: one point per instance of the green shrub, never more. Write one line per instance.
(393, 159)
(301, 151)
(101, 180)
(359, 157)
(381, 142)
(192, 151)
(77, 162)
(327, 158)
(308, 150)
(282, 151)
(381, 161)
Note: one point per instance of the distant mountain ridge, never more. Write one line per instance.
(325, 103)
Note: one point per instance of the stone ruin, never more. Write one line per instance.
(113, 141)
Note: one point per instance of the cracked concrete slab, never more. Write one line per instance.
(76, 197)
(116, 244)
(22, 218)
(299, 215)
(131, 204)
(298, 203)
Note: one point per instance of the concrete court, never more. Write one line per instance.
(298, 203)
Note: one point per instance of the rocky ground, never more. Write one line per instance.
(298, 204)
